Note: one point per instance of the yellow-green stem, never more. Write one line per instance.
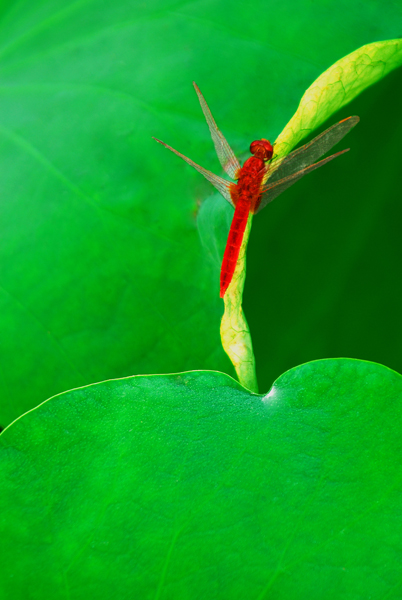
(235, 334)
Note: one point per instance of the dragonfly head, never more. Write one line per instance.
(262, 149)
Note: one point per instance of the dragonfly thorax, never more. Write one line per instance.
(262, 149)
(253, 166)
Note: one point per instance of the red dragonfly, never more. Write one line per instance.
(261, 178)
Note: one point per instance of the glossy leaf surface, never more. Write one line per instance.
(188, 486)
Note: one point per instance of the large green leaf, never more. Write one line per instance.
(103, 273)
(188, 486)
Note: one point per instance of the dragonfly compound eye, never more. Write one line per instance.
(262, 149)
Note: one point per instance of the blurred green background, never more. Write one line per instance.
(103, 271)
(332, 252)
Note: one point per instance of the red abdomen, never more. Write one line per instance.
(246, 195)
(233, 244)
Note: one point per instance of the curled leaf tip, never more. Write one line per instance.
(336, 87)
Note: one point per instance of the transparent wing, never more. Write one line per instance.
(273, 189)
(225, 153)
(309, 153)
(219, 183)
